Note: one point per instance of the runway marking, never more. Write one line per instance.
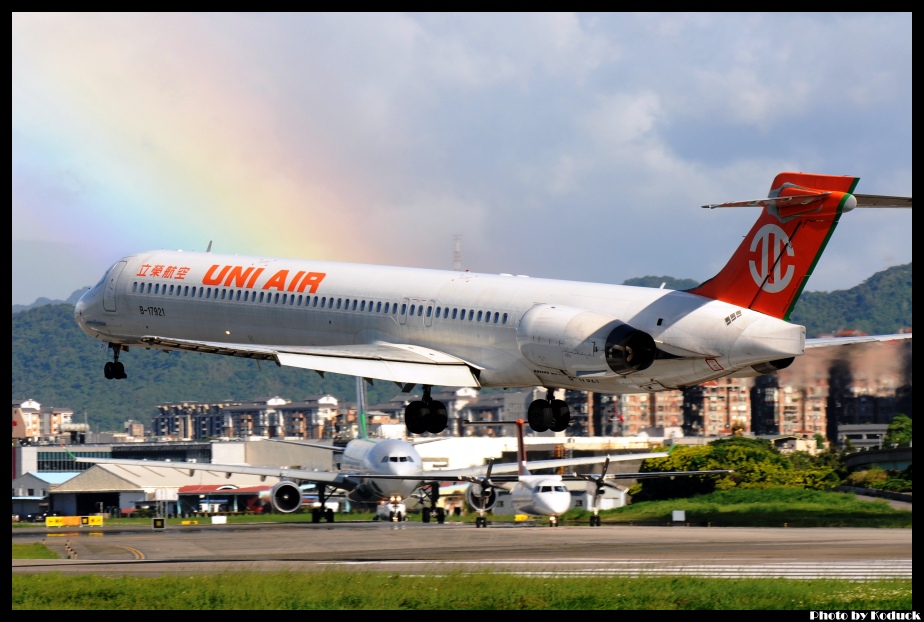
(135, 552)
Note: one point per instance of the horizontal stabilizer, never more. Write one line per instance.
(828, 342)
(774, 202)
(878, 200)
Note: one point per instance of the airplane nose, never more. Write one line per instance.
(559, 503)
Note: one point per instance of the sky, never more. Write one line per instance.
(568, 146)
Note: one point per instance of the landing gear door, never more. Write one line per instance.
(112, 280)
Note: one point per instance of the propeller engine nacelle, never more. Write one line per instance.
(582, 342)
(286, 497)
(479, 498)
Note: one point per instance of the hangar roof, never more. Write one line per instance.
(119, 478)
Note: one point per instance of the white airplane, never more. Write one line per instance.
(382, 471)
(546, 494)
(462, 329)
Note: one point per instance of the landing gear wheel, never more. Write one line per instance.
(438, 418)
(315, 515)
(440, 515)
(119, 371)
(109, 370)
(416, 416)
(594, 521)
(329, 515)
(561, 415)
(539, 415)
(481, 521)
(425, 515)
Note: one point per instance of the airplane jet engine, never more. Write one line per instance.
(583, 342)
(286, 497)
(480, 498)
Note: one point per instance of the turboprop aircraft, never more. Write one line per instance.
(546, 494)
(431, 328)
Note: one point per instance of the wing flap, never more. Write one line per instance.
(401, 363)
(440, 374)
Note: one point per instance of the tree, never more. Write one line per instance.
(755, 463)
(899, 432)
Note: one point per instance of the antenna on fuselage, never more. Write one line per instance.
(457, 252)
(209, 249)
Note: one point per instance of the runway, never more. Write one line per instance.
(417, 548)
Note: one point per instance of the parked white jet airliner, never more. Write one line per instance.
(461, 329)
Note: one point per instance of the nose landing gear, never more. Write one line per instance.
(115, 370)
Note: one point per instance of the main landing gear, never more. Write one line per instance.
(548, 414)
(322, 512)
(430, 510)
(426, 415)
(114, 370)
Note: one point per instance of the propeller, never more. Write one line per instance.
(600, 482)
(485, 485)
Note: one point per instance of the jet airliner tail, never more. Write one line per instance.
(770, 268)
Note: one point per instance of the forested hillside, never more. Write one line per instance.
(879, 305)
(55, 363)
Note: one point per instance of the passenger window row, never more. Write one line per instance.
(323, 302)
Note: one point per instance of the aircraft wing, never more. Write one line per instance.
(501, 469)
(337, 480)
(827, 342)
(648, 475)
(400, 363)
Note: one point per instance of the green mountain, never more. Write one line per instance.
(40, 302)
(880, 305)
(55, 363)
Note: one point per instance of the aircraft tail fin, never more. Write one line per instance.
(361, 407)
(772, 265)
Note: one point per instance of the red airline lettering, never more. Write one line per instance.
(278, 280)
(209, 279)
(311, 280)
(294, 281)
(238, 276)
(235, 276)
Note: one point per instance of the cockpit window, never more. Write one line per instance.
(105, 274)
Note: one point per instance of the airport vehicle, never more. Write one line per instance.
(461, 329)
(545, 494)
(394, 510)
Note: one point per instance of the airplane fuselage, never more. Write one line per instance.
(367, 458)
(540, 495)
(513, 331)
